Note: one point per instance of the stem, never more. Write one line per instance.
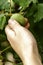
(4, 49)
(10, 6)
(8, 14)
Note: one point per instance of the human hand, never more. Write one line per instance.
(23, 42)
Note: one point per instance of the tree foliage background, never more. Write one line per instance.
(31, 9)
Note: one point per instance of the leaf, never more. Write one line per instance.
(4, 5)
(34, 1)
(24, 3)
(31, 10)
(39, 14)
(2, 21)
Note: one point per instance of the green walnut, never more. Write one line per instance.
(19, 18)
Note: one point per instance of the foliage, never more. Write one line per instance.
(33, 10)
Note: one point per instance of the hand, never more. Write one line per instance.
(23, 42)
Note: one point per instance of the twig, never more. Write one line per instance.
(4, 49)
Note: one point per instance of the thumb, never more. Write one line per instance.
(10, 33)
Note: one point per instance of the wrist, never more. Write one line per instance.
(27, 59)
(31, 60)
(26, 62)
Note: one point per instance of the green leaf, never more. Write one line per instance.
(2, 21)
(39, 14)
(31, 10)
(24, 3)
(4, 5)
(34, 1)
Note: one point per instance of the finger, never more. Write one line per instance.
(10, 34)
(27, 24)
(14, 25)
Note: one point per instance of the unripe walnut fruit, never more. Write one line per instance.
(19, 18)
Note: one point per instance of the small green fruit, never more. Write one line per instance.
(19, 18)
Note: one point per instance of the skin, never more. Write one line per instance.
(23, 43)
